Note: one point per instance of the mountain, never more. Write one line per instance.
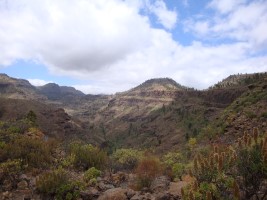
(158, 113)
(239, 80)
(158, 127)
(55, 92)
(18, 89)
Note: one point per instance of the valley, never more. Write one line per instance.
(159, 117)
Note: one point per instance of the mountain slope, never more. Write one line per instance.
(18, 89)
(63, 93)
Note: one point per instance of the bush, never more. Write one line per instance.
(178, 170)
(172, 158)
(251, 164)
(57, 184)
(87, 156)
(91, 173)
(33, 153)
(147, 170)
(126, 159)
(10, 170)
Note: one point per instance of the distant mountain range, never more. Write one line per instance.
(158, 113)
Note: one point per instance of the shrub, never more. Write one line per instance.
(126, 159)
(172, 158)
(57, 184)
(147, 170)
(86, 156)
(229, 171)
(251, 163)
(10, 170)
(91, 173)
(32, 152)
(178, 170)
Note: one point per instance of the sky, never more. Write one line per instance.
(109, 46)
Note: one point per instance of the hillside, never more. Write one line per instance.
(159, 140)
(158, 113)
(18, 89)
(64, 94)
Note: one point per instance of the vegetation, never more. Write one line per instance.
(126, 159)
(228, 170)
(87, 156)
(57, 183)
(91, 174)
(33, 153)
(147, 169)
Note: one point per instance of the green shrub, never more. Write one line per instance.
(172, 158)
(252, 165)
(34, 153)
(87, 156)
(91, 174)
(178, 170)
(10, 170)
(57, 184)
(126, 159)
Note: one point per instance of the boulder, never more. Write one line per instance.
(22, 185)
(176, 187)
(114, 194)
(90, 193)
(160, 184)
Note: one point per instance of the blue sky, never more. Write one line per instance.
(108, 46)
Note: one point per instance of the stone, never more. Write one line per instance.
(22, 185)
(114, 194)
(7, 185)
(160, 184)
(90, 193)
(175, 188)
(103, 187)
(130, 193)
(162, 196)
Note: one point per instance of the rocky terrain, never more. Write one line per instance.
(160, 116)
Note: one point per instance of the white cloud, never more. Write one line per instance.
(165, 17)
(243, 22)
(115, 47)
(38, 82)
(225, 6)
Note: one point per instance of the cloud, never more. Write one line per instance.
(88, 35)
(246, 22)
(165, 17)
(225, 6)
(38, 82)
(114, 46)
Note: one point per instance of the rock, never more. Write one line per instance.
(90, 193)
(160, 184)
(6, 195)
(162, 196)
(23, 177)
(130, 193)
(32, 183)
(175, 188)
(103, 187)
(22, 185)
(146, 196)
(114, 194)
(7, 185)
(119, 177)
(137, 197)
(149, 196)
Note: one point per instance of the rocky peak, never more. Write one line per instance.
(159, 84)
